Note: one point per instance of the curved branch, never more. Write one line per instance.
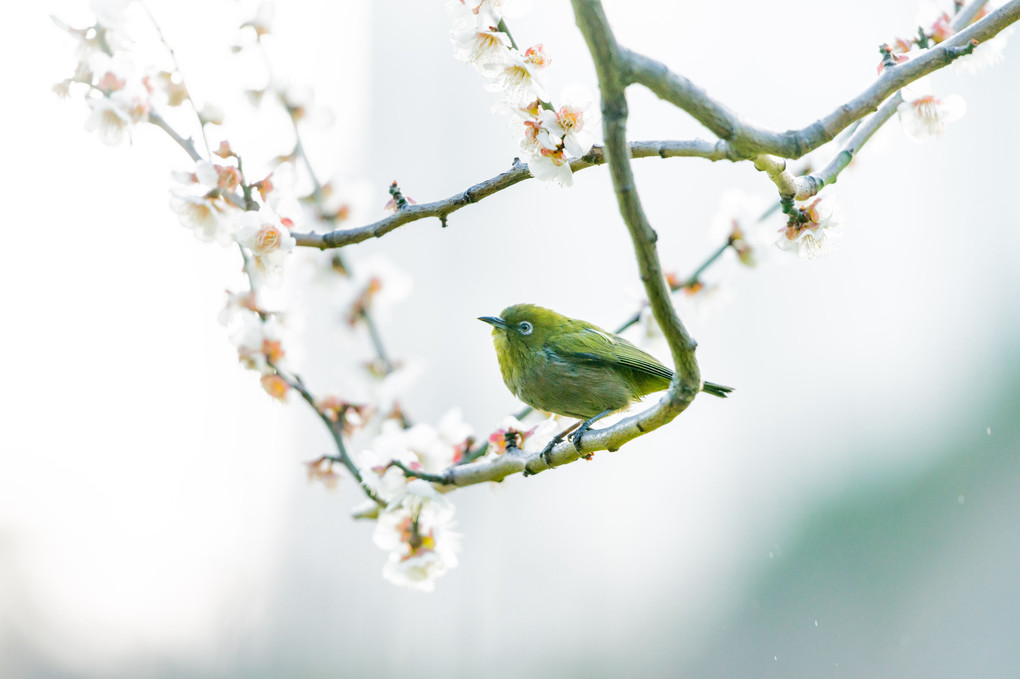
(441, 209)
(609, 64)
(748, 140)
(515, 461)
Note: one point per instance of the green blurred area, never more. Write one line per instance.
(916, 577)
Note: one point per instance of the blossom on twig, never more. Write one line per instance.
(813, 230)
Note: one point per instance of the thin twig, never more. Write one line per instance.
(317, 196)
(442, 479)
(177, 68)
(335, 429)
(187, 144)
(686, 283)
(295, 382)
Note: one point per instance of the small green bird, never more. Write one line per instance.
(569, 367)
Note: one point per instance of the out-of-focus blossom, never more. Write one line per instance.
(377, 284)
(200, 204)
(324, 471)
(262, 22)
(352, 416)
(210, 114)
(275, 386)
(941, 29)
(385, 394)
(926, 117)
(236, 303)
(743, 220)
(110, 14)
(258, 342)
(422, 446)
(985, 55)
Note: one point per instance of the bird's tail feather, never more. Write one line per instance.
(716, 389)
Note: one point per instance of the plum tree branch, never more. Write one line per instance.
(441, 209)
(611, 70)
(748, 141)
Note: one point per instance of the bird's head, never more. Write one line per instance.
(525, 325)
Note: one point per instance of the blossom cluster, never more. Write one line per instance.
(924, 115)
(550, 135)
(416, 525)
(118, 94)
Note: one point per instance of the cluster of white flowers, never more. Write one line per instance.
(259, 341)
(549, 135)
(119, 98)
(200, 201)
(417, 531)
(924, 115)
(416, 526)
(206, 201)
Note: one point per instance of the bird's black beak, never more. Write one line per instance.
(494, 321)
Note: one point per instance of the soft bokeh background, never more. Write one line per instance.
(851, 511)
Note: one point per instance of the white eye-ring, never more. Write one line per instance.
(524, 328)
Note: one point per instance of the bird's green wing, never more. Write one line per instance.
(594, 345)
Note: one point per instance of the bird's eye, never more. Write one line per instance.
(524, 327)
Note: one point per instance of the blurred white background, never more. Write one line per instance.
(850, 511)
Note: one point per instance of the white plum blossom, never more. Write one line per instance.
(548, 165)
(483, 46)
(925, 117)
(575, 123)
(816, 237)
(113, 116)
(388, 446)
(211, 114)
(422, 446)
(199, 202)
(417, 531)
(520, 77)
(237, 303)
(267, 238)
(120, 99)
(550, 136)
(258, 340)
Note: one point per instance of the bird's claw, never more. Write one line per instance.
(575, 437)
(548, 449)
